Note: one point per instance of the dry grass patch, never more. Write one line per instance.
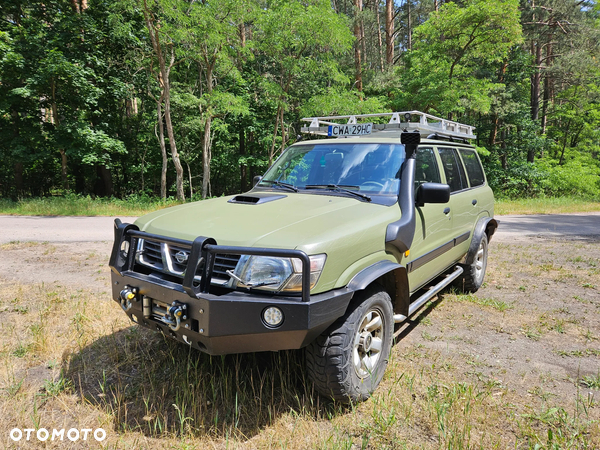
(468, 376)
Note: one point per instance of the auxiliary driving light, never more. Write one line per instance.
(273, 317)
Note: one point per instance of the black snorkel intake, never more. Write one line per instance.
(400, 234)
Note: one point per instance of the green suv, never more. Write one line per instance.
(337, 244)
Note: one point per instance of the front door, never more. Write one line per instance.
(433, 225)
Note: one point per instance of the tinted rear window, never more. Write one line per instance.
(455, 174)
(474, 169)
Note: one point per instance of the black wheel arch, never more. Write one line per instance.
(392, 277)
(485, 225)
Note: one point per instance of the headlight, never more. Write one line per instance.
(275, 274)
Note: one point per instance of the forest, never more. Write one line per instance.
(191, 99)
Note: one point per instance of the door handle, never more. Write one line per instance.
(447, 211)
(474, 202)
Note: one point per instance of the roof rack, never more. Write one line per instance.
(426, 125)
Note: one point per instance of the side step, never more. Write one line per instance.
(433, 290)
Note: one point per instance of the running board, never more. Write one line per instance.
(433, 290)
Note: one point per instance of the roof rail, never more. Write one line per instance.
(426, 124)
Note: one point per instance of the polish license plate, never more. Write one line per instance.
(357, 129)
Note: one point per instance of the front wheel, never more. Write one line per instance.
(348, 360)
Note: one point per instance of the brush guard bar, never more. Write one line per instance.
(202, 253)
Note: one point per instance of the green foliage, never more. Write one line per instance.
(338, 101)
(443, 72)
(79, 88)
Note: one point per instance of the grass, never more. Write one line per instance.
(498, 305)
(76, 205)
(149, 392)
(71, 359)
(561, 205)
(137, 205)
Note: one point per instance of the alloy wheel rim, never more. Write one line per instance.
(368, 343)
(480, 261)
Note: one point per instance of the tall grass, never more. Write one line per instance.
(554, 205)
(78, 205)
(137, 205)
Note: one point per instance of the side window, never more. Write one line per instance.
(426, 166)
(474, 169)
(455, 174)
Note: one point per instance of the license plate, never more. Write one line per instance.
(358, 129)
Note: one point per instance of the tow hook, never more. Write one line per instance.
(127, 294)
(175, 315)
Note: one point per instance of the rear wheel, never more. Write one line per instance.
(474, 273)
(348, 360)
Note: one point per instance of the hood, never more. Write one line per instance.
(310, 222)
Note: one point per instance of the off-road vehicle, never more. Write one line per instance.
(337, 244)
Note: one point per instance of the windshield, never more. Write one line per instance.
(366, 168)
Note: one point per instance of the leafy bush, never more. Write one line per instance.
(545, 178)
(573, 179)
(519, 181)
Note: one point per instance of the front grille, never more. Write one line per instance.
(172, 260)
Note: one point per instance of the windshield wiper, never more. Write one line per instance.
(337, 188)
(289, 186)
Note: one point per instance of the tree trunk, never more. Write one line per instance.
(379, 36)
(389, 32)
(206, 141)
(272, 151)
(494, 130)
(504, 156)
(408, 26)
(18, 172)
(547, 89)
(104, 185)
(63, 169)
(166, 93)
(190, 180)
(535, 80)
(357, 46)
(562, 153)
(283, 134)
(206, 156)
(174, 154)
(163, 150)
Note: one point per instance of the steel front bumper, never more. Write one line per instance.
(218, 324)
(232, 323)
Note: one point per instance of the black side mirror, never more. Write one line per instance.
(256, 180)
(433, 193)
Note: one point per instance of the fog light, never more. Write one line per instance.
(273, 316)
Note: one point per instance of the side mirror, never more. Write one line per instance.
(433, 193)
(256, 180)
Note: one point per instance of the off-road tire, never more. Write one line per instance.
(474, 273)
(333, 359)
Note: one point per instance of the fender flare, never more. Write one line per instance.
(485, 225)
(369, 274)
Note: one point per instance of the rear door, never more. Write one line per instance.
(480, 197)
(460, 204)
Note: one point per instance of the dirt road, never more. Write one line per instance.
(98, 229)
